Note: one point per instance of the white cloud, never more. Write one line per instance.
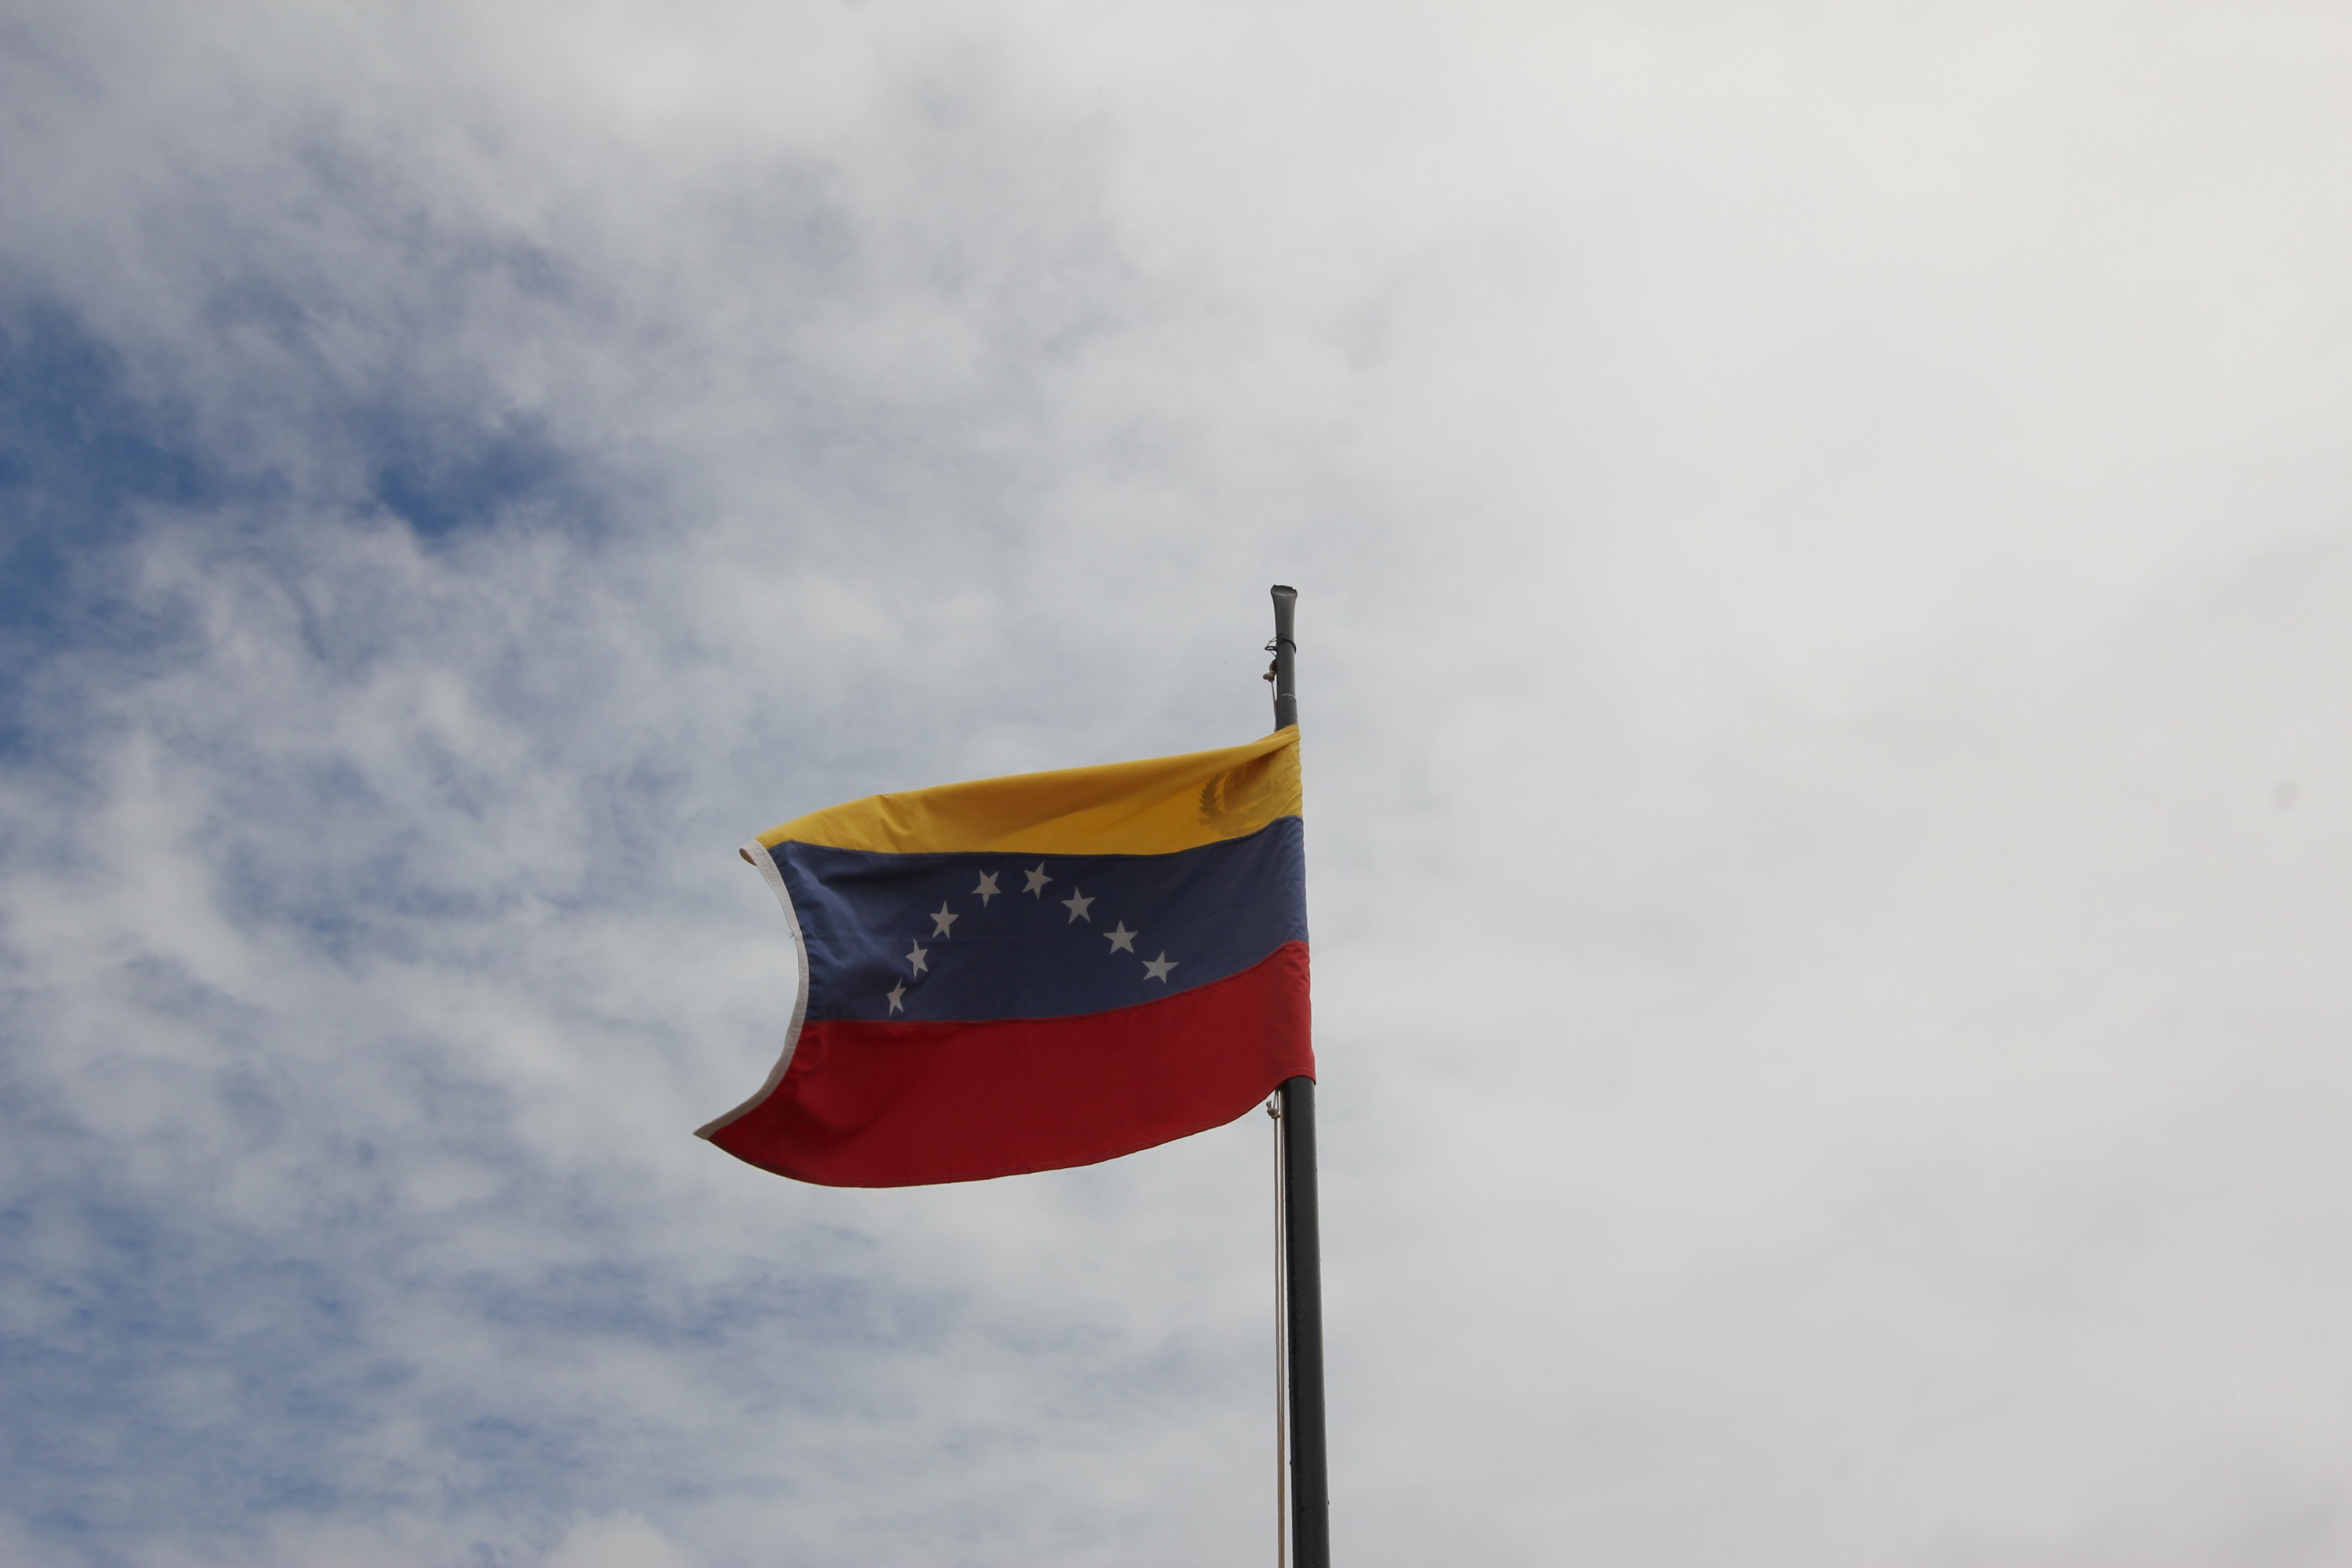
(624, 1542)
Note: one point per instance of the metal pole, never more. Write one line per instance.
(1285, 673)
(1311, 1501)
(1310, 1495)
(1281, 1352)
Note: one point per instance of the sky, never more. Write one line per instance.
(1822, 535)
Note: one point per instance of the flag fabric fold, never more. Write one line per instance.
(1036, 972)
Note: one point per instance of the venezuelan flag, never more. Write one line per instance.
(1031, 973)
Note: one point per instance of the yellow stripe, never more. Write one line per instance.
(1126, 808)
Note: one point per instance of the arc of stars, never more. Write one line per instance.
(1079, 903)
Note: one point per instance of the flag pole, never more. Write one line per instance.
(1311, 1505)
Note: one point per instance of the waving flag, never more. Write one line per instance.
(1029, 973)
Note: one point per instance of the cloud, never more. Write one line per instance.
(620, 1542)
(1820, 538)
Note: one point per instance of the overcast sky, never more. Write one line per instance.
(1824, 540)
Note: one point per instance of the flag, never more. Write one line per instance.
(1030, 972)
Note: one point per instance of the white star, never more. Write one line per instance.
(1037, 881)
(1077, 904)
(897, 995)
(916, 956)
(987, 888)
(943, 920)
(1122, 940)
(1158, 968)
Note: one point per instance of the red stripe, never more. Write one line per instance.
(900, 1105)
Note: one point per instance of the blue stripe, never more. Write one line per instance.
(1207, 913)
